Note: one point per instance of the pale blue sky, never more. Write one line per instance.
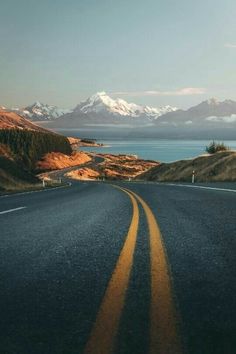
(61, 51)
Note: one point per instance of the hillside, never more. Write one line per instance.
(19, 152)
(13, 176)
(30, 146)
(217, 167)
(58, 160)
(9, 120)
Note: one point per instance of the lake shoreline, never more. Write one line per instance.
(163, 150)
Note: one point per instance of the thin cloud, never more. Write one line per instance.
(230, 45)
(186, 91)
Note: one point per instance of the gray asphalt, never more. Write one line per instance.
(57, 256)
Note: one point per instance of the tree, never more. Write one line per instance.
(29, 146)
(214, 147)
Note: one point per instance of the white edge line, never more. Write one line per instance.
(201, 187)
(11, 210)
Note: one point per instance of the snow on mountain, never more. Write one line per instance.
(39, 111)
(102, 103)
(209, 111)
(99, 104)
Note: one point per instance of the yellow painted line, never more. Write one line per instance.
(164, 337)
(104, 332)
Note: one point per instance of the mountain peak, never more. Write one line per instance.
(40, 111)
(101, 93)
(97, 95)
(212, 101)
(37, 104)
(100, 102)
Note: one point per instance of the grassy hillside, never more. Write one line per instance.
(19, 152)
(29, 146)
(220, 166)
(13, 175)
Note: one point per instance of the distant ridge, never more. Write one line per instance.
(39, 112)
(206, 112)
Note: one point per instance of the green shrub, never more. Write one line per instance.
(214, 147)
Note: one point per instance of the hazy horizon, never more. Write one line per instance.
(154, 53)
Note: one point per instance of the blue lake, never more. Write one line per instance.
(163, 150)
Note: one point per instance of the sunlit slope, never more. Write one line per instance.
(217, 167)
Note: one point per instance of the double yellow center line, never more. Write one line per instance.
(164, 338)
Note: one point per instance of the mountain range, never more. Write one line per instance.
(210, 111)
(40, 112)
(102, 104)
(102, 111)
(99, 107)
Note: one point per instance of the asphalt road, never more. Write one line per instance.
(84, 269)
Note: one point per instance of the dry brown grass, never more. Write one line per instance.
(114, 167)
(9, 120)
(217, 167)
(57, 160)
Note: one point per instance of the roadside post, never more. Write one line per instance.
(193, 176)
(43, 183)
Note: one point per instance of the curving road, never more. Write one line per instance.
(133, 268)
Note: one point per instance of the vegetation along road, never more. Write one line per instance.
(125, 268)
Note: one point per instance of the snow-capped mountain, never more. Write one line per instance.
(39, 111)
(207, 112)
(101, 103)
(99, 108)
